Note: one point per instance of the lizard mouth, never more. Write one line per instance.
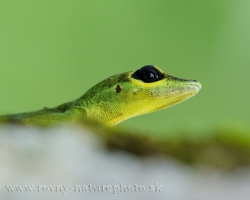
(197, 86)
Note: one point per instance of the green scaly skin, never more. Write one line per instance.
(116, 99)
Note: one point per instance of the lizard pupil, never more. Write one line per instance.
(148, 74)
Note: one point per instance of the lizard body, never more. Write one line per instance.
(116, 99)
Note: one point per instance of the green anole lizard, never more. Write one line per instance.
(116, 99)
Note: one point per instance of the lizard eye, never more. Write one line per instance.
(148, 74)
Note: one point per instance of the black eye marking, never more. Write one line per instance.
(118, 89)
(148, 74)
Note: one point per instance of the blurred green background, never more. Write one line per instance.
(51, 52)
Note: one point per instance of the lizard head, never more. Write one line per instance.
(130, 94)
